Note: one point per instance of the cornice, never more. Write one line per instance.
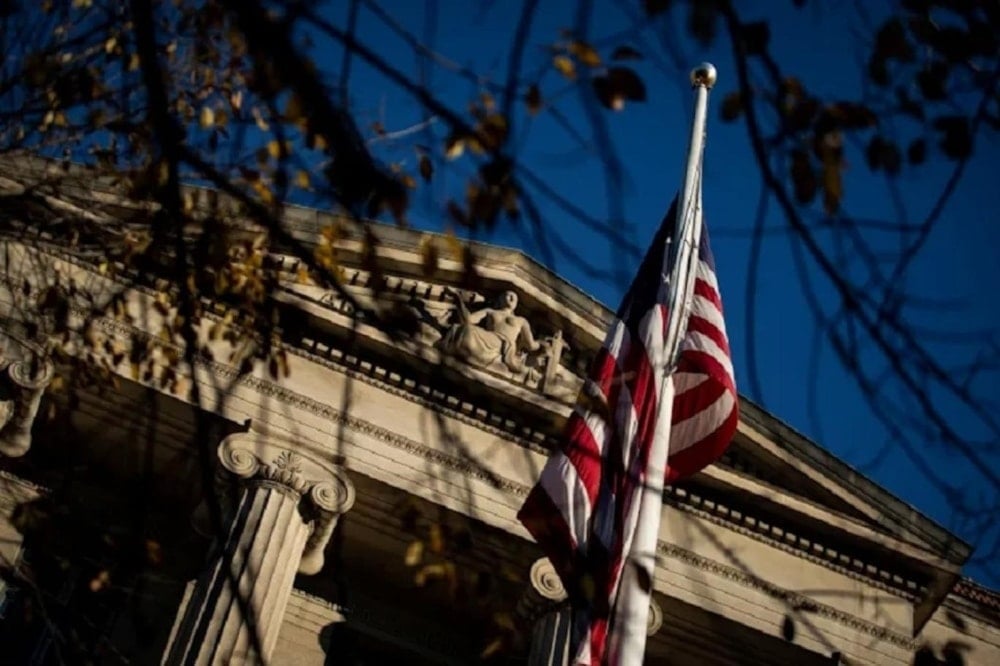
(737, 521)
(974, 600)
(795, 602)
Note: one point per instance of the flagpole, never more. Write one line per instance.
(632, 608)
(688, 226)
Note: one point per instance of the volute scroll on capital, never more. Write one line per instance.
(546, 582)
(255, 456)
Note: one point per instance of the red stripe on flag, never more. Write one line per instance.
(697, 361)
(543, 520)
(708, 329)
(707, 291)
(695, 400)
(699, 455)
(584, 453)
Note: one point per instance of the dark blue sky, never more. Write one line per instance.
(802, 384)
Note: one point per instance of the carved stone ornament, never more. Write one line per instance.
(497, 339)
(546, 582)
(22, 384)
(655, 618)
(325, 490)
(488, 336)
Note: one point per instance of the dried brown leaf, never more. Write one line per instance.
(585, 53)
(426, 168)
(626, 52)
(436, 541)
(429, 257)
(454, 147)
(207, 117)
(493, 648)
(533, 99)
(564, 65)
(414, 553)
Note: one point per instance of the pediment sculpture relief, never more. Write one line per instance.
(486, 334)
(497, 339)
(492, 335)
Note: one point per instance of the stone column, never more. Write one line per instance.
(287, 508)
(546, 607)
(18, 415)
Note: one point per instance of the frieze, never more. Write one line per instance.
(475, 417)
(368, 428)
(435, 399)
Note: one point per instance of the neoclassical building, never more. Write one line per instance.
(358, 505)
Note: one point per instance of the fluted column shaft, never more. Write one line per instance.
(550, 638)
(249, 582)
(281, 523)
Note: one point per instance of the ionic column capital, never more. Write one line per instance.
(21, 373)
(548, 592)
(17, 416)
(257, 457)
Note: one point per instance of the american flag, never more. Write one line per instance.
(584, 509)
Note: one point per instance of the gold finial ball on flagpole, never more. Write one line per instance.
(704, 75)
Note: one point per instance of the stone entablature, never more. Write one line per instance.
(490, 475)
